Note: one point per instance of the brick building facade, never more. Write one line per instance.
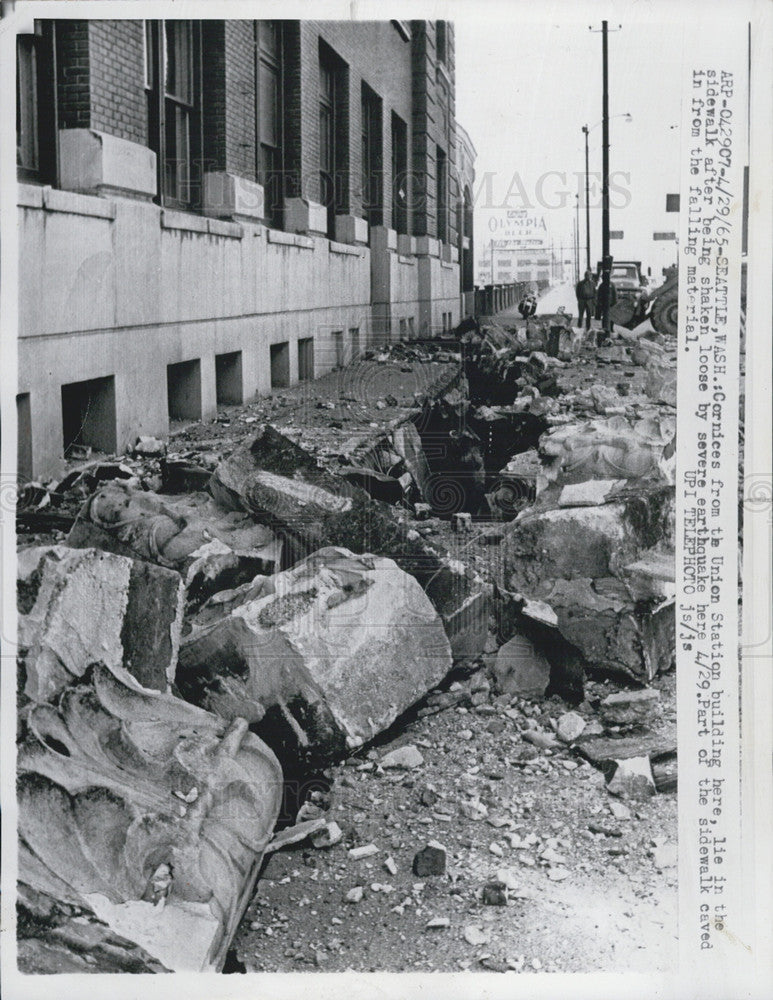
(209, 210)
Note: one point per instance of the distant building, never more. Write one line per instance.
(465, 166)
(214, 209)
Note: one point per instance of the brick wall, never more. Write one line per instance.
(117, 79)
(73, 74)
(214, 96)
(240, 98)
(293, 131)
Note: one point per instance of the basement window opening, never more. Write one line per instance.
(88, 415)
(228, 378)
(183, 387)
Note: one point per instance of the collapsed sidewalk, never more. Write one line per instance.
(295, 578)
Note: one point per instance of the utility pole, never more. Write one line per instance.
(492, 261)
(586, 130)
(577, 237)
(606, 260)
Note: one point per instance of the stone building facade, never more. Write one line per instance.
(209, 210)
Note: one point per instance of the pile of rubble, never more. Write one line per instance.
(198, 627)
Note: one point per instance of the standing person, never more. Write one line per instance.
(585, 291)
(601, 302)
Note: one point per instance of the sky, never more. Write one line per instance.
(525, 88)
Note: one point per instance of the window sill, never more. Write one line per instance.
(54, 200)
(189, 223)
(411, 261)
(345, 249)
(290, 239)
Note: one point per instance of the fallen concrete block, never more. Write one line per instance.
(146, 811)
(590, 493)
(402, 757)
(295, 834)
(630, 708)
(82, 606)
(632, 779)
(341, 647)
(282, 486)
(612, 631)
(609, 448)
(569, 542)
(520, 669)
(430, 860)
(653, 576)
(52, 942)
(213, 548)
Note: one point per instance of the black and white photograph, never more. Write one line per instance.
(386, 499)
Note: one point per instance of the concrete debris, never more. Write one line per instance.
(281, 485)
(541, 739)
(520, 669)
(619, 810)
(149, 447)
(632, 779)
(355, 895)
(476, 935)
(630, 708)
(611, 448)
(590, 493)
(573, 561)
(97, 771)
(213, 548)
(82, 606)
(366, 851)
(402, 757)
(570, 726)
(51, 941)
(296, 834)
(430, 860)
(665, 854)
(613, 631)
(328, 835)
(494, 893)
(305, 656)
(437, 923)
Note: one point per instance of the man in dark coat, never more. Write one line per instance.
(585, 291)
(601, 298)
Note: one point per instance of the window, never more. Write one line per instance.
(172, 82)
(354, 342)
(372, 157)
(441, 41)
(35, 105)
(338, 347)
(305, 359)
(268, 113)
(333, 152)
(441, 181)
(399, 174)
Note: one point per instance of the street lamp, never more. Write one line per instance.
(586, 129)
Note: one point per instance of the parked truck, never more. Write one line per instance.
(637, 302)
